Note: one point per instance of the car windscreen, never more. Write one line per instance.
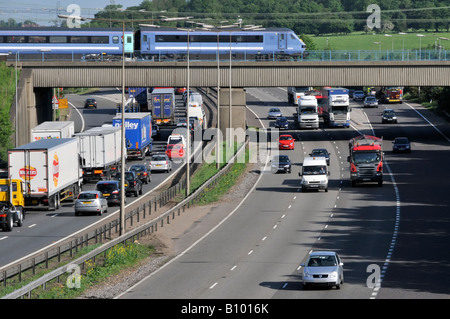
(322, 261)
(137, 168)
(158, 158)
(87, 196)
(107, 187)
(285, 138)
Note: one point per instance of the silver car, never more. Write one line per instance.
(160, 162)
(274, 112)
(370, 101)
(323, 268)
(91, 202)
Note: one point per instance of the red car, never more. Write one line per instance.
(286, 142)
(175, 151)
(180, 90)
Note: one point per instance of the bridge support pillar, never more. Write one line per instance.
(238, 110)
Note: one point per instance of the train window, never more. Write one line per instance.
(99, 39)
(37, 39)
(144, 38)
(15, 39)
(79, 39)
(58, 39)
(129, 39)
(115, 39)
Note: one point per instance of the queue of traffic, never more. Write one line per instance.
(55, 165)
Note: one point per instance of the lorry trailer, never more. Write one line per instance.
(162, 101)
(53, 129)
(50, 170)
(138, 133)
(100, 152)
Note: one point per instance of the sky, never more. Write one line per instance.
(44, 12)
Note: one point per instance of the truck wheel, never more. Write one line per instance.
(19, 217)
(8, 226)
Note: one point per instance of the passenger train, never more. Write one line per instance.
(150, 43)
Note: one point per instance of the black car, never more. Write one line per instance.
(110, 190)
(388, 116)
(90, 103)
(133, 183)
(155, 131)
(281, 163)
(321, 152)
(401, 144)
(282, 123)
(142, 171)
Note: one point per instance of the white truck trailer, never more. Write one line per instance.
(53, 129)
(50, 170)
(307, 112)
(295, 92)
(100, 154)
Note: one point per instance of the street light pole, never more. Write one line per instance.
(188, 136)
(123, 145)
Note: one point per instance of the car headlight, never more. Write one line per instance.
(323, 181)
(304, 182)
(333, 274)
(306, 274)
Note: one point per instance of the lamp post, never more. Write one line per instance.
(403, 33)
(420, 45)
(388, 35)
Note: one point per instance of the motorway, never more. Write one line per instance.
(43, 228)
(395, 236)
(401, 228)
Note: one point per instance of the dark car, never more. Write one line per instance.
(280, 163)
(133, 183)
(90, 104)
(282, 123)
(155, 131)
(401, 144)
(389, 116)
(358, 95)
(110, 190)
(142, 171)
(323, 152)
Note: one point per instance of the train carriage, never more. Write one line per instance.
(161, 43)
(65, 41)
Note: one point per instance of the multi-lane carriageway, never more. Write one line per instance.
(400, 229)
(255, 251)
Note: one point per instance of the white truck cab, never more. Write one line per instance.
(308, 115)
(314, 174)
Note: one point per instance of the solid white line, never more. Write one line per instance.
(81, 116)
(205, 235)
(432, 125)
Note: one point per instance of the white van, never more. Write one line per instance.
(314, 173)
(196, 110)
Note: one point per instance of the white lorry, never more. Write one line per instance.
(53, 129)
(295, 92)
(307, 112)
(100, 154)
(50, 170)
(314, 174)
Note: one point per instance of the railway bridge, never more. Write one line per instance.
(39, 77)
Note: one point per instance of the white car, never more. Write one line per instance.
(160, 162)
(323, 268)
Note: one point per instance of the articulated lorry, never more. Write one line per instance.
(366, 159)
(138, 133)
(162, 101)
(53, 129)
(50, 170)
(100, 152)
(336, 107)
(11, 203)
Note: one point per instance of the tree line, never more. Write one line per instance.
(304, 17)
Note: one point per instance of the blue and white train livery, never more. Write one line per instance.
(172, 42)
(65, 41)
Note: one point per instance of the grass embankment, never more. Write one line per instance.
(366, 41)
(94, 272)
(7, 93)
(225, 182)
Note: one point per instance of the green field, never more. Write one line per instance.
(363, 41)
